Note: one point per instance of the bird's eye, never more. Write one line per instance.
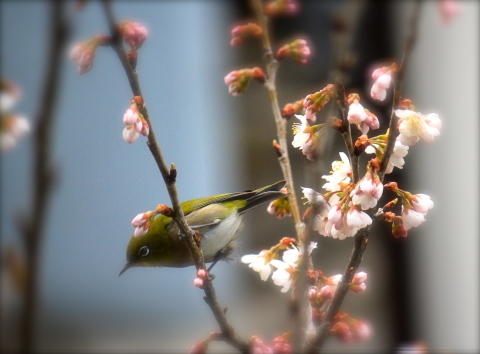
(143, 251)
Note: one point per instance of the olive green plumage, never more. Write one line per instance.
(217, 219)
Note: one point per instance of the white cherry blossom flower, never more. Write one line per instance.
(421, 203)
(341, 170)
(411, 218)
(414, 126)
(260, 263)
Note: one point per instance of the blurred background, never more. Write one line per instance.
(420, 289)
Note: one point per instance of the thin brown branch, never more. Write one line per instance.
(347, 131)
(361, 238)
(361, 241)
(397, 88)
(281, 124)
(42, 175)
(299, 301)
(169, 175)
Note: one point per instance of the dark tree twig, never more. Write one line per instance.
(43, 175)
(361, 238)
(169, 177)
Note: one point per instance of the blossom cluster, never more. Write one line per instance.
(83, 53)
(298, 50)
(143, 221)
(12, 125)
(135, 123)
(241, 32)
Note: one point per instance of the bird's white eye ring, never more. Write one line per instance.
(143, 251)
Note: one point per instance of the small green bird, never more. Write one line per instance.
(216, 218)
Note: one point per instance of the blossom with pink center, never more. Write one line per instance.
(414, 126)
(133, 34)
(260, 263)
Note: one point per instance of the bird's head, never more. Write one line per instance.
(140, 253)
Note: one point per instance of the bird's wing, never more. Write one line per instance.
(252, 198)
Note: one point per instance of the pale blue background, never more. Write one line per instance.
(104, 182)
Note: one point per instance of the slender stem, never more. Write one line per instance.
(361, 238)
(299, 300)
(397, 88)
(347, 132)
(42, 175)
(272, 66)
(169, 177)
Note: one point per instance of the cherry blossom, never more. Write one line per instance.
(341, 172)
(414, 126)
(259, 263)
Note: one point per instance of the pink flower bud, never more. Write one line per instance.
(134, 34)
(333, 280)
(359, 278)
(341, 330)
(358, 288)
(140, 219)
(202, 273)
(360, 331)
(130, 135)
(198, 282)
(76, 52)
(326, 293)
(131, 115)
(145, 129)
(378, 93)
(384, 81)
(140, 231)
(312, 293)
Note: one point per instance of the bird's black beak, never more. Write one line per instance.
(125, 267)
